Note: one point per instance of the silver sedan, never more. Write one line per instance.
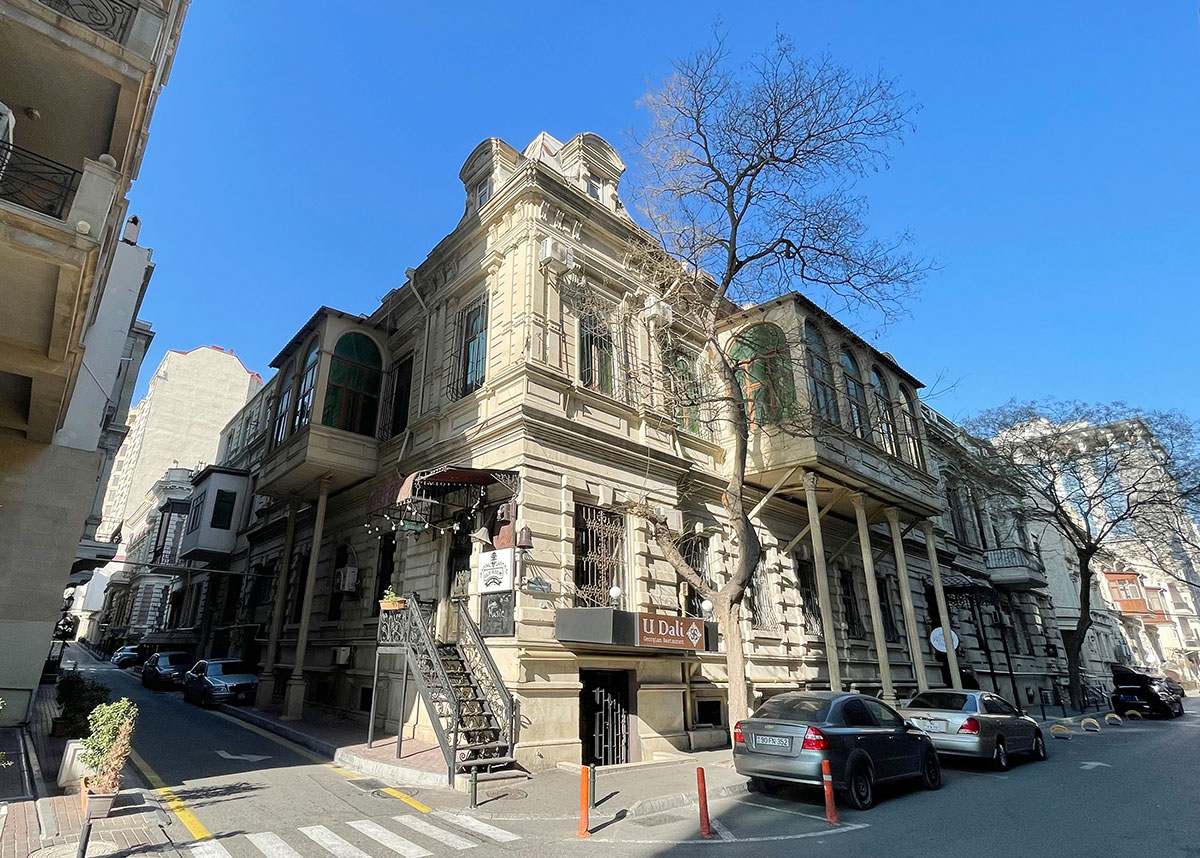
(975, 724)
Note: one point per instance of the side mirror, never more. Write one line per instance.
(909, 725)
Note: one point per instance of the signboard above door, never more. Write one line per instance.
(656, 630)
(496, 571)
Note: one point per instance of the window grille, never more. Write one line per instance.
(762, 609)
(810, 609)
(599, 555)
(695, 553)
(467, 366)
(891, 633)
(596, 356)
(850, 607)
(397, 398)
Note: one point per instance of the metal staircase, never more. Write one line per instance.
(471, 710)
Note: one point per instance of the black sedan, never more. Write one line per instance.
(166, 669)
(219, 680)
(864, 740)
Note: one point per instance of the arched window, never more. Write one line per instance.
(908, 428)
(821, 392)
(283, 404)
(352, 395)
(856, 395)
(764, 369)
(883, 410)
(308, 384)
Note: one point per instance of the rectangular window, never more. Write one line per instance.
(810, 608)
(299, 581)
(762, 606)
(222, 517)
(595, 188)
(891, 633)
(684, 393)
(599, 555)
(399, 390)
(385, 568)
(282, 404)
(887, 425)
(468, 360)
(196, 511)
(695, 552)
(596, 356)
(820, 387)
(850, 608)
(483, 193)
(340, 559)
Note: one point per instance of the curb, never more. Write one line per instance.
(658, 804)
(401, 775)
(304, 740)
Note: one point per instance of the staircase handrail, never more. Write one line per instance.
(479, 659)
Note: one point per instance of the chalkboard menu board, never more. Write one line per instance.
(496, 615)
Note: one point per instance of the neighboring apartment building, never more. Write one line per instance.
(498, 409)
(997, 579)
(78, 86)
(190, 398)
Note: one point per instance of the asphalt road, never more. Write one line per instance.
(1127, 790)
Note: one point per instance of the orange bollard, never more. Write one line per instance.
(830, 807)
(705, 830)
(583, 803)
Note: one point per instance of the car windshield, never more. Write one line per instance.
(227, 668)
(788, 708)
(176, 659)
(951, 700)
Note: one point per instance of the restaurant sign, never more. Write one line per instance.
(669, 632)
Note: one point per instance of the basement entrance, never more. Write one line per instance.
(604, 716)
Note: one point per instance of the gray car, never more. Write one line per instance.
(165, 669)
(975, 724)
(865, 741)
(219, 680)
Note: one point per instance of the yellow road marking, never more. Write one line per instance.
(194, 826)
(408, 799)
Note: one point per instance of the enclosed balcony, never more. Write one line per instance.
(324, 407)
(218, 506)
(1015, 568)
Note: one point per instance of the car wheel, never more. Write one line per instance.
(861, 792)
(763, 785)
(1000, 755)
(1039, 747)
(931, 770)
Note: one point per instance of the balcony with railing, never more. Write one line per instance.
(1015, 568)
(35, 182)
(111, 18)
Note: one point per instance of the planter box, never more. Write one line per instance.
(58, 727)
(96, 805)
(391, 604)
(72, 770)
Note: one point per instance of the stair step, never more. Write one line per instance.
(486, 761)
(486, 746)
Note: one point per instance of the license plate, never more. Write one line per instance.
(930, 726)
(773, 741)
(1129, 698)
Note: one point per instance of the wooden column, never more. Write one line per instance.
(864, 544)
(823, 594)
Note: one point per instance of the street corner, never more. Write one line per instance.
(745, 818)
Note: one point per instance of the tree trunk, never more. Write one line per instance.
(729, 617)
(1075, 645)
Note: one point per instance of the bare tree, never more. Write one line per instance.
(1108, 478)
(748, 191)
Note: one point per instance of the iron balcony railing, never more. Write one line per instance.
(110, 18)
(1013, 557)
(34, 182)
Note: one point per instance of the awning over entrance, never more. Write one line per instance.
(428, 498)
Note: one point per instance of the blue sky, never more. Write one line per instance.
(306, 153)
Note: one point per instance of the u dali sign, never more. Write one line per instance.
(669, 632)
(938, 638)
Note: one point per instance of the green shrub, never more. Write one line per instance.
(108, 745)
(78, 696)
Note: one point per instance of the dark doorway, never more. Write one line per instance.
(458, 572)
(604, 716)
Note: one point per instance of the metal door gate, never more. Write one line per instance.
(604, 716)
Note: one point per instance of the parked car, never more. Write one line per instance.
(1174, 687)
(975, 724)
(126, 656)
(865, 741)
(165, 669)
(219, 680)
(1143, 693)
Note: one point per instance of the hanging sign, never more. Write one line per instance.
(938, 638)
(669, 632)
(496, 570)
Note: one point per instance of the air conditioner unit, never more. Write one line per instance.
(340, 655)
(555, 255)
(345, 580)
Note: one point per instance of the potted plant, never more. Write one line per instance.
(106, 749)
(390, 601)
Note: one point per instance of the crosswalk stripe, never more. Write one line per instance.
(331, 843)
(209, 849)
(272, 845)
(430, 830)
(392, 841)
(473, 825)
